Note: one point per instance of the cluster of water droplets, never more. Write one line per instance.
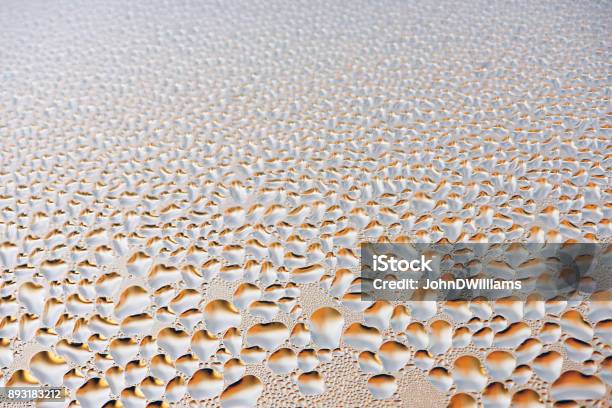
(184, 188)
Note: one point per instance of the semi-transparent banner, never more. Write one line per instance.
(427, 272)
